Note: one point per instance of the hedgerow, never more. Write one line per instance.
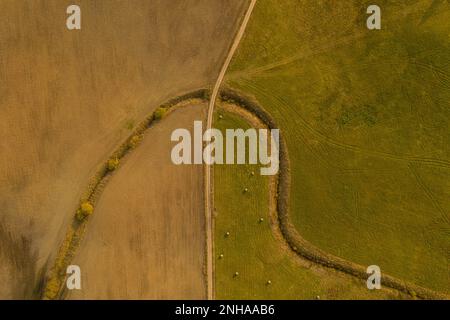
(55, 279)
(291, 235)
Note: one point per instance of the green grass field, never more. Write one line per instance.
(366, 118)
(254, 251)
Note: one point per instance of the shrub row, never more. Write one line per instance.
(54, 283)
(290, 233)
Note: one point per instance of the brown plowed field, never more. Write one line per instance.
(68, 98)
(146, 239)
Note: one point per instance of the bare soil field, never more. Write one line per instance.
(69, 97)
(146, 239)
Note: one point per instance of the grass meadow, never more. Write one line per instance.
(366, 118)
(256, 251)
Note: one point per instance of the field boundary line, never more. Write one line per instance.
(55, 277)
(209, 187)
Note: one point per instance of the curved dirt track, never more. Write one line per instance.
(146, 238)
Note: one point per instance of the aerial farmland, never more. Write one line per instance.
(224, 150)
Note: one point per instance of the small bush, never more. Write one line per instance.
(52, 288)
(85, 210)
(160, 113)
(135, 140)
(113, 164)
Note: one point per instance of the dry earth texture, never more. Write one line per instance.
(69, 97)
(146, 239)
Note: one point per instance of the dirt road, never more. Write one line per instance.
(209, 188)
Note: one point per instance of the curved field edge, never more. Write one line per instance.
(54, 282)
(295, 241)
(255, 247)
